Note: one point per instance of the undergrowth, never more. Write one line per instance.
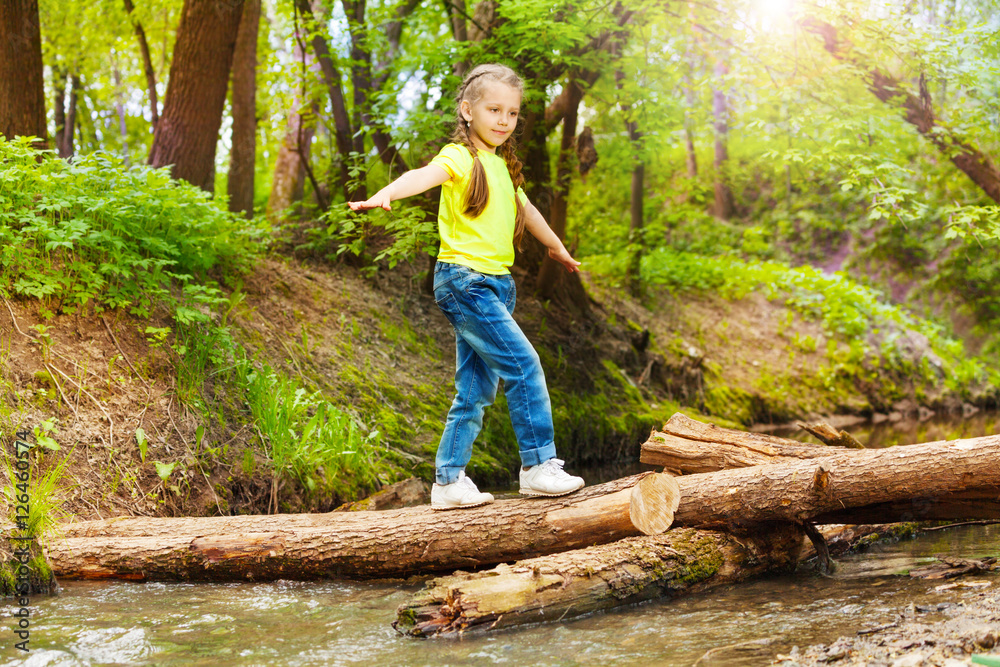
(867, 327)
(95, 233)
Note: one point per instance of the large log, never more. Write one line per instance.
(586, 580)
(366, 544)
(687, 448)
(681, 447)
(825, 488)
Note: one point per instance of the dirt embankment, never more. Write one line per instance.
(380, 348)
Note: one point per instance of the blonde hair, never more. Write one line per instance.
(478, 194)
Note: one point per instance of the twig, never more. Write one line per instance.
(115, 341)
(880, 628)
(65, 400)
(11, 311)
(179, 434)
(32, 338)
(111, 423)
(982, 522)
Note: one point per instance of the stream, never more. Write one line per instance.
(339, 623)
(349, 623)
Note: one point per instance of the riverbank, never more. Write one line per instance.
(157, 418)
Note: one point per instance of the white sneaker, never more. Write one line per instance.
(460, 493)
(549, 479)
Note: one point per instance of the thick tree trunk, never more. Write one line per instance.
(147, 65)
(361, 544)
(188, 130)
(919, 111)
(22, 84)
(601, 577)
(240, 184)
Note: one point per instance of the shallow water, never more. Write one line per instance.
(338, 623)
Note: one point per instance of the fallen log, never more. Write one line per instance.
(586, 580)
(825, 489)
(366, 544)
(681, 447)
(735, 449)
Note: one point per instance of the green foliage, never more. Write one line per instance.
(95, 233)
(408, 227)
(848, 311)
(307, 438)
(45, 490)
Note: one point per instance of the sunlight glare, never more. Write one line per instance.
(774, 11)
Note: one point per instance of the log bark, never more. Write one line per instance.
(586, 580)
(688, 446)
(808, 489)
(361, 544)
(22, 85)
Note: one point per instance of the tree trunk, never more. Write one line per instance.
(919, 111)
(287, 181)
(240, 184)
(394, 543)
(332, 78)
(188, 131)
(147, 64)
(633, 279)
(551, 270)
(361, 81)
(120, 110)
(691, 156)
(59, 83)
(601, 577)
(67, 148)
(720, 111)
(22, 83)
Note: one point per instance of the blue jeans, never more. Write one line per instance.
(488, 346)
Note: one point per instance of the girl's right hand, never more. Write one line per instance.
(378, 200)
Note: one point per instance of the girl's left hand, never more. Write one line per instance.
(562, 256)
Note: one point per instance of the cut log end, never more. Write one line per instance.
(653, 502)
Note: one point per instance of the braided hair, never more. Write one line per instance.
(478, 194)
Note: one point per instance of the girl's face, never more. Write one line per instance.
(493, 117)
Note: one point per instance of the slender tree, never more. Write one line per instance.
(22, 86)
(147, 63)
(244, 105)
(288, 178)
(720, 112)
(188, 130)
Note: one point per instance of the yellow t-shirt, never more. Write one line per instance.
(485, 243)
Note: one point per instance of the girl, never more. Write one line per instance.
(482, 216)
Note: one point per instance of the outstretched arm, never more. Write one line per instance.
(411, 183)
(535, 223)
